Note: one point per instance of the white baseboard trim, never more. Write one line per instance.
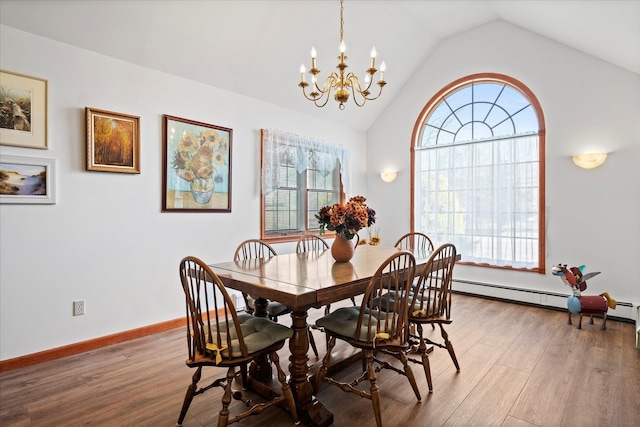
(625, 311)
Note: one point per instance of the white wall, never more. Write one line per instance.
(589, 104)
(106, 240)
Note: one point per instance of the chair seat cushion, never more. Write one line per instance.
(259, 333)
(276, 309)
(344, 321)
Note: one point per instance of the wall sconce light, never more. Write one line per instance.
(388, 176)
(589, 160)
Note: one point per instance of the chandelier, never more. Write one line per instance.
(340, 81)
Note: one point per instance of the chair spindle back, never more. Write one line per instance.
(393, 276)
(212, 322)
(432, 295)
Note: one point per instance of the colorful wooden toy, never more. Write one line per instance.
(592, 305)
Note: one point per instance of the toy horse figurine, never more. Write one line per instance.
(578, 304)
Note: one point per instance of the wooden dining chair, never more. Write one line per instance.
(374, 330)
(415, 241)
(311, 242)
(218, 336)
(430, 304)
(255, 249)
(418, 243)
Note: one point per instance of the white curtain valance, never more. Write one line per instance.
(302, 153)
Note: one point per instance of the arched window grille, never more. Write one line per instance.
(478, 172)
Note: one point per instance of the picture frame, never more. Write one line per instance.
(23, 118)
(27, 180)
(196, 166)
(113, 141)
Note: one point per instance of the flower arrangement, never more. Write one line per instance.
(346, 219)
(195, 157)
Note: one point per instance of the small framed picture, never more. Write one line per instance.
(23, 110)
(27, 180)
(196, 166)
(113, 141)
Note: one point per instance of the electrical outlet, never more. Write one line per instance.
(78, 308)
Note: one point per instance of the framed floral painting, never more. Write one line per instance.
(23, 112)
(27, 180)
(196, 166)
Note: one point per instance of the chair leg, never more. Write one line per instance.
(243, 375)
(373, 391)
(325, 364)
(449, 346)
(422, 349)
(286, 389)
(191, 391)
(408, 372)
(223, 416)
(312, 342)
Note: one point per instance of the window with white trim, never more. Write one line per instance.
(299, 176)
(478, 159)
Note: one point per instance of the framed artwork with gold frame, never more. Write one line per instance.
(113, 141)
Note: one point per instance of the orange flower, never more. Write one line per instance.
(346, 219)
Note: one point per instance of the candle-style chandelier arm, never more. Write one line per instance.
(317, 94)
(363, 93)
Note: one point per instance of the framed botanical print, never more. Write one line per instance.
(113, 141)
(23, 113)
(196, 166)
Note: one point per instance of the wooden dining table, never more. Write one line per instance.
(302, 281)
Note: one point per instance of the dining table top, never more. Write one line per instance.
(308, 279)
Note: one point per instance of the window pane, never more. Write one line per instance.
(481, 110)
(464, 114)
(512, 100)
(439, 115)
(486, 92)
(459, 98)
(526, 121)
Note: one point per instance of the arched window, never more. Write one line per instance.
(478, 172)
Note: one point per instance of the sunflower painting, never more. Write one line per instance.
(197, 166)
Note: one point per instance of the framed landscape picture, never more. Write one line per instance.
(23, 110)
(27, 180)
(113, 141)
(196, 166)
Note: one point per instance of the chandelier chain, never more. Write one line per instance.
(341, 21)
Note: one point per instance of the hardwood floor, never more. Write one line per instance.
(520, 366)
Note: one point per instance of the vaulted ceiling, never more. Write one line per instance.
(255, 48)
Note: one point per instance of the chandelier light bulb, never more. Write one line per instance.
(342, 46)
(313, 52)
(373, 52)
(382, 67)
(302, 69)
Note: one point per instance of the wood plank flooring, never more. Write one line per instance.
(520, 366)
